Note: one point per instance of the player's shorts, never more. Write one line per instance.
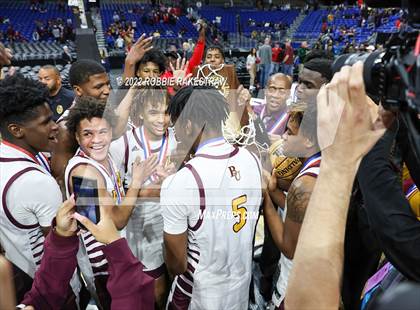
(145, 237)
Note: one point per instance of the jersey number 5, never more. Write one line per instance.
(239, 212)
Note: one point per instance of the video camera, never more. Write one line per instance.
(392, 75)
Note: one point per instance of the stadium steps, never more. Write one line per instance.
(293, 27)
(100, 37)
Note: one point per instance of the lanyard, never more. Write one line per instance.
(147, 151)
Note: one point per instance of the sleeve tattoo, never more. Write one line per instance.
(297, 201)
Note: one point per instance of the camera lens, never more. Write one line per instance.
(373, 70)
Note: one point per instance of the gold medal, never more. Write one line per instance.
(59, 109)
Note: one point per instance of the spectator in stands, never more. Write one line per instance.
(56, 33)
(10, 33)
(119, 43)
(186, 50)
(35, 36)
(324, 27)
(330, 17)
(104, 59)
(302, 51)
(61, 6)
(275, 58)
(68, 33)
(265, 56)
(173, 49)
(251, 66)
(60, 98)
(288, 59)
(128, 37)
(66, 56)
(115, 17)
(336, 49)
(110, 41)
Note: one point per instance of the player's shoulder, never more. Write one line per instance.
(303, 184)
(76, 160)
(249, 157)
(35, 181)
(181, 180)
(36, 175)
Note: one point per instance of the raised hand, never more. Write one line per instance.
(138, 49)
(105, 231)
(143, 169)
(346, 118)
(202, 31)
(163, 172)
(180, 71)
(243, 95)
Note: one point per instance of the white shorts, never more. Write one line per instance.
(145, 237)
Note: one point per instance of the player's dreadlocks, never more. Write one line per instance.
(203, 106)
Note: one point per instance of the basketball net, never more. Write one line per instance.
(214, 75)
(232, 130)
(243, 136)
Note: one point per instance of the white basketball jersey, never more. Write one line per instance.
(223, 208)
(114, 187)
(145, 227)
(23, 243)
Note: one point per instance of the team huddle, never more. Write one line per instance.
(166, 175)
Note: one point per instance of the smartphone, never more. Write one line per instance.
(86, 196)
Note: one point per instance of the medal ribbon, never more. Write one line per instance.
(163, 150)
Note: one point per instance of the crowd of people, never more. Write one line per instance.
(55, 30)
(120, 33)
(12, 35)
(182, 173)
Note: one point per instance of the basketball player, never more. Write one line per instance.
(316, 72)
(92, 126)
(210, 208)
(152, 64)
(145, 227)
(216, 69)
(30, 196)
(299, 140)
(87, 78)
